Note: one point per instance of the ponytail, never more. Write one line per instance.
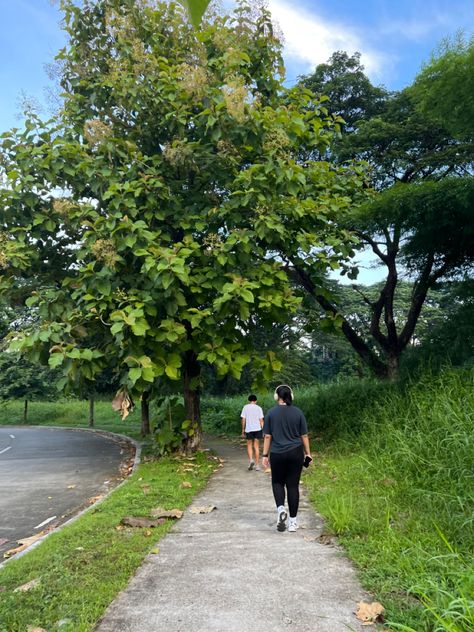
(284, 393)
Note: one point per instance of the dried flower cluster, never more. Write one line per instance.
(194, 80)
(227, 150)
(96, 132)
(277, 142)
(178, 154)
(235, 97)
(63, 206)
(104, 250)
(3, 255)
(212, 242)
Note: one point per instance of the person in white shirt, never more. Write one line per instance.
(252, 424)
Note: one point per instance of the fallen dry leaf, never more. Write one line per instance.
(23, 544)
(325, 538)
(147, 533)
(186, 484)
(130, 521)
(146, 489)
(28, 586)
(370, 613)
(34, 628)
(155, 551)
(159, 512)
(202, 510)
(71, 486)
(94, 499)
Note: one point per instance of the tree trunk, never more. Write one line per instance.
(91, 410)
(393, 366)
(25, 411)
(145, 409)
(192, 398)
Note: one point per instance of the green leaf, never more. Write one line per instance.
(140, 327)
(196, 9)
(134, 375)
(55, 360)
(171, 372)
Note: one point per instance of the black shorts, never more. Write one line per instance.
(256, 434)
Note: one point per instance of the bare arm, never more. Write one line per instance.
(305, 442)
(266, 449)
(242, 419)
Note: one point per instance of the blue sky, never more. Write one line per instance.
(395, 39)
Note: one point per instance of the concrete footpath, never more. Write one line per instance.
(231, 570)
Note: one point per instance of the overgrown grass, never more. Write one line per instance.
(71, 413)
(83, 567)
(334, 409)
(400, 495)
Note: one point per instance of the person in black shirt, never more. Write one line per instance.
(286, 441)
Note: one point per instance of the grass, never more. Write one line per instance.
(71, 413)
(400, 496)
(332, 409)
(84, 566)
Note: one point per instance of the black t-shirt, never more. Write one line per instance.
(286, 424)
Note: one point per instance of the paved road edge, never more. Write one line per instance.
(106, 433)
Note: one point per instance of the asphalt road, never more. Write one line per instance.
(49, 474)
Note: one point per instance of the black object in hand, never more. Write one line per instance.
(307, 461)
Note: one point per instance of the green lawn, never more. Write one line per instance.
(71, 413)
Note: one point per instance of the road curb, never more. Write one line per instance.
(105, 433)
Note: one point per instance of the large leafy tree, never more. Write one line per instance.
(421, 223)
(158, 201)
(444, 89)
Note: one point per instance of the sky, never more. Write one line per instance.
(394, 38)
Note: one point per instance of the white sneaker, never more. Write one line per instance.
(292, 525)
(282, 516)
(257, 468)
(251, 465)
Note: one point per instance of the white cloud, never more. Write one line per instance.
(311, 40)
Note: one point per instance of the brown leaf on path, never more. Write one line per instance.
(130, 521)
(71, 486)
(28, 586)
(159, 512)
(202, 510)
(267, 470)
(370, 613)
(186, 485)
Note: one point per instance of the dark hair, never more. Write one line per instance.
(284, 393)
(252, 398)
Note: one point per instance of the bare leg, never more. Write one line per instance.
(249, 449)
(256, 445)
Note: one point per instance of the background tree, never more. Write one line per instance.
(417, 227)
(444, 89)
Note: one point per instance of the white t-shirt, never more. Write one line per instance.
(252, 415)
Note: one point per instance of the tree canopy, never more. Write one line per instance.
(146, 222)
